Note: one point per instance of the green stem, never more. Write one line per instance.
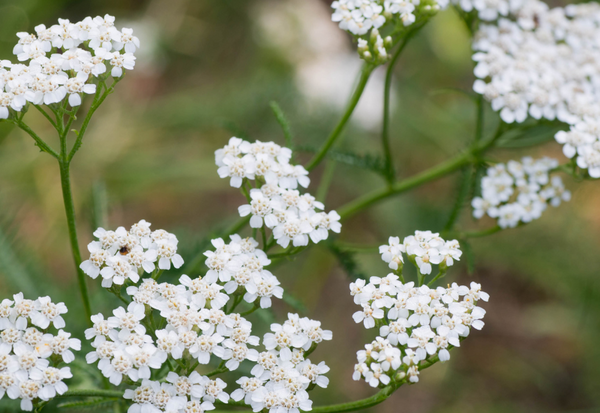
(98, 99)
(385, 131)
(92, 393)
(431, 174)
(326, 179)
(479, 122)
(478, 234)
(46, 115)
(365, 249)
(65, 182)
(468, 156)
(38, 141)
(364, 78)
(463, 192)
(439, 275)
(374, 400)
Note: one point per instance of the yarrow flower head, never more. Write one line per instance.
(519, 192)
(417, 326)
(541, 62)
(240, 266)
(31, 357)
(424, 249)
(377, 24)
(196, 326)
(282, 375)
(123, 255)
(66, 60)
(294, 218)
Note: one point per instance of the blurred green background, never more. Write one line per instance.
(207, 70)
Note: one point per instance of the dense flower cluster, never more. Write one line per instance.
(185, 394)
(123, 255)
(30, 356)
(417, 326)
(423, 249)
(366, 18)
(196, 327)
(582, 142)
(283, 375)
(278, 205)
(63, 60)
(518, 192)
(543, 63)
(239, 267)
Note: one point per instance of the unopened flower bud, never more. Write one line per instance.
(399, 376)
(374, 35)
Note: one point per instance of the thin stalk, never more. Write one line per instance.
(478, 234)
(65, 182)
(463, 192)
(326, 179)
(38, 141)
(364, 78)
(98, 99)
(364, 249)
(453, 164)
(431, 174)
(46, 115)
(92, 393)
(480, 120)
(374, 400)
(385, 131)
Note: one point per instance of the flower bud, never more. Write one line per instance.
(374, 35)
(399, 376)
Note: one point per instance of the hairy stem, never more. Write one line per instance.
(364, 78)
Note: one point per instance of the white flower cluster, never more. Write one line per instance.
(545, 63)
(582, 142)
(278, 205)
(240, 267)
(30, 358)
(123, 255)
(185, 394)
(240, 160)
(63, 60)
(196, 327)
(283, 375)
(417, 326)
(519, 191)
(365, 19)
(423, 249)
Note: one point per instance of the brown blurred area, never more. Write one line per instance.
(208, 70)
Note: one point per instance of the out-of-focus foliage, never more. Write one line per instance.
(209, 70)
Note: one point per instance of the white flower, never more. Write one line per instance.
(25, 352)
(519, 192)
(392, 253)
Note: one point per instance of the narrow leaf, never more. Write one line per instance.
(294, 302)
(282, 120)
(348, 262)
(374, 163)
(466, 246)
(92, 404)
